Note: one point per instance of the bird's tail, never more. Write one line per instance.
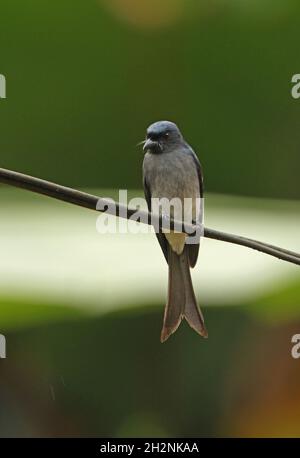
(181, 297)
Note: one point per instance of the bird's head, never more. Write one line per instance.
(161, 137)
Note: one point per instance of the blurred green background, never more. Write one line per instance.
(82, 312)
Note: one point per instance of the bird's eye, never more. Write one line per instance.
(167, 135)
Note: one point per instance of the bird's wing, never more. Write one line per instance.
(193, 249)
(160, 236)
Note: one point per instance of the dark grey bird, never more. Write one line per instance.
(171, 170)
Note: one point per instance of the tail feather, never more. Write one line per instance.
(181, 297)
(174, 309)
(192, 312)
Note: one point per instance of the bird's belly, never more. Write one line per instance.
(177, 198)
(174, 191)
(176, 240)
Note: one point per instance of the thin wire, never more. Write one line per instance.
(92, 202)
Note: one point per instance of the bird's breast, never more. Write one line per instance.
(172, 175)
(174, 186)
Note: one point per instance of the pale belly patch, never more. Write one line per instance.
(176, 241)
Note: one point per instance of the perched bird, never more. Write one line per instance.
(171, 170)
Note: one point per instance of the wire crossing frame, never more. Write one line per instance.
(92, 202)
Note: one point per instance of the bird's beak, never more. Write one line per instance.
(141, 143)
(152, 146)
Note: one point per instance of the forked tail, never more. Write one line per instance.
(181, 297)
